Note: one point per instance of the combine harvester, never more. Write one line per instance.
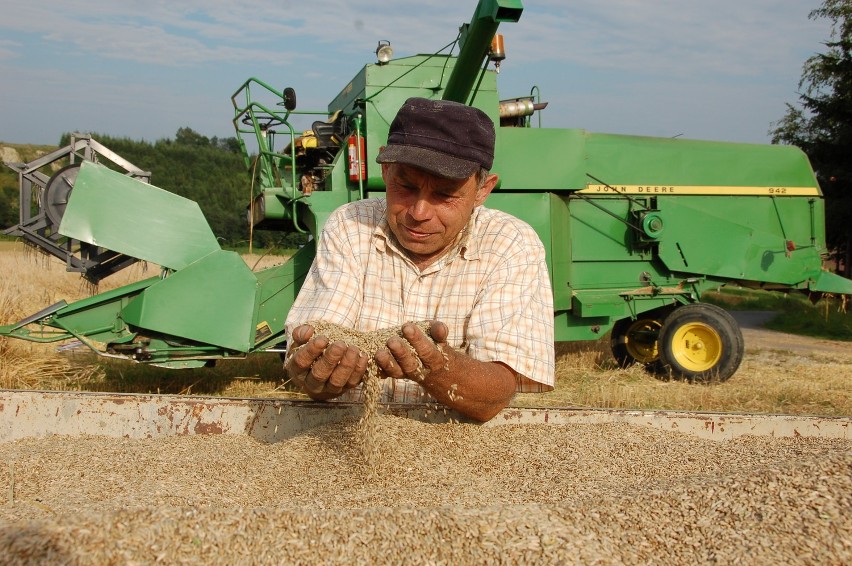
(636, 229)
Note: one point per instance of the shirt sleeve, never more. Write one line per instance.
(512, 320)
(332, 288)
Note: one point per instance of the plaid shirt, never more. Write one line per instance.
(492, 290)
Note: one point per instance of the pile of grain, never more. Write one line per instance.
(369, 343)
(445, 494)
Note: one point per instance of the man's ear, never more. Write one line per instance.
(483, 192)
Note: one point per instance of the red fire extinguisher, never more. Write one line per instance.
(357, 161)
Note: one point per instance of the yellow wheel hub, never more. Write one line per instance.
(638, 341)
(696, 347)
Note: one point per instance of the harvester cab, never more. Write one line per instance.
(635, 229)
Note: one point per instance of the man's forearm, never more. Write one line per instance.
(477, 389)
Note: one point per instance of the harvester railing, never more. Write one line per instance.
(535, 94)
(257, 119)
(262, 121)
(253, 118)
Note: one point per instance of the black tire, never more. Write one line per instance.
(635, 341)
(700, 342)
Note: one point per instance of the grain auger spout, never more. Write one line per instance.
(475, 40)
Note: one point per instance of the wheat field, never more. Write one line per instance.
(770, 380)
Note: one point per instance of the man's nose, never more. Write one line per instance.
(420, 209)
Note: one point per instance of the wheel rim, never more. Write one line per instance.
(697, 347)
(640, 340)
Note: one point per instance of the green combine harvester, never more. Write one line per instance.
(636, 228)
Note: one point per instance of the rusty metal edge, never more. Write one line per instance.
(25, 414)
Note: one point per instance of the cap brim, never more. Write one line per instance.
(435, 162)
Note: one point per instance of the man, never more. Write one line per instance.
(430, 251)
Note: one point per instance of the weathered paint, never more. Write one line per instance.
(25, 414)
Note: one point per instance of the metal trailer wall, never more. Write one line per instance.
(25, 414)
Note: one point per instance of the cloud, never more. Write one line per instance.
(160, 37)
(9, 49)
(193, 32)
(679, 55)
(680, 37)
(666, 37)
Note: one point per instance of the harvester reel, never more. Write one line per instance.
(43, 198)
(57, 191)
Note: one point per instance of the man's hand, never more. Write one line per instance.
(477, 389)
(323, 370)
(398, 361)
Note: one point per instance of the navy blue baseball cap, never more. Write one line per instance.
(445, 138)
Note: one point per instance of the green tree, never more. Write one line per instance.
(188, 136)
(8, 207)
(821, 124)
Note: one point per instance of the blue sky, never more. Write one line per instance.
(702, 69)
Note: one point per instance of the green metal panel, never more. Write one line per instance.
(826, 282)
(211, 301)
(99, 317)
(592, 304)
(568, 327)
(561, 259)
(125, 215)
(597, 235)
(739, 238)
(279, 286)
(318, 206)
(96, 318)
(275, 202)
(533, 159)
(617, 159)
(616, 276)
(532, 208)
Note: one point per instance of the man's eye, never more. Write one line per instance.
(403, 186)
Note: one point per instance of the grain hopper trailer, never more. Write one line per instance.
(636, 229)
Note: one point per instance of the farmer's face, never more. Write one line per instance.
(426, 213)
